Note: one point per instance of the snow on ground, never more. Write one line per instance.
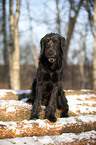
(78, 104)
(4, 92)
(88, 136)
(12, 105)
(82, 104)
(23, 92)
(61, 122)
(54, 140)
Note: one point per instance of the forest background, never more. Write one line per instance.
(24, 22)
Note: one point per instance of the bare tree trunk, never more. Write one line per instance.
(34, 52)
(34, 49)
(94, 52)
(5, 48)
(16, 61)
(72, 21)
(82, 67)
(4, 33)
(58, 17)
(14, 51)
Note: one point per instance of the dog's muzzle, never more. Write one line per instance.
(51, 59)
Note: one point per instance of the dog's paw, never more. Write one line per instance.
(29, 101)
(34, 117)
(51, 118)
(64, 115)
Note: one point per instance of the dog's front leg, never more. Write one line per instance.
(37, 103)
(51, 108)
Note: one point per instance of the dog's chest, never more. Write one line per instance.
(47, 77)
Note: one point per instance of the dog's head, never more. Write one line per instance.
(52, 46)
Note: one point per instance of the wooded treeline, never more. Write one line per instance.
(60, 16)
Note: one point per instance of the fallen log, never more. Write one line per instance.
(44, 127)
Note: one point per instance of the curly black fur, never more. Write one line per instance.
(47, 87)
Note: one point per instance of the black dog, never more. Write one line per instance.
(47, 87)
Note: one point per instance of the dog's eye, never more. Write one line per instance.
(55, 41)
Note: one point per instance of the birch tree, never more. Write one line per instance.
(58, 17)
(72, 20)
(33, 46)
(94, 52)
(14, 50)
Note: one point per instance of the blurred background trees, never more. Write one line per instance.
(24, 22)
(94, 51)
(11, 49)
(14, 48)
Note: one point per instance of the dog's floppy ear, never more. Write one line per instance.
(42, 45)
(63, 44)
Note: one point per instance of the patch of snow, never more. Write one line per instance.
(71, 137)
(44, 140)
(19, 92)
(64, 121)
(86, 109)
(11, 109)
(18, 132)
(87, 135)
(87, 103)
(12, 126)
(8, 90)
(73, 120)
(61, 122)
(69, 90)
(84, 90)
(27, 124)
(76, 103)
(87, 118)
(24, 100)
(57, 139)
(9, 125)
(12, 105)
(4, 92)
